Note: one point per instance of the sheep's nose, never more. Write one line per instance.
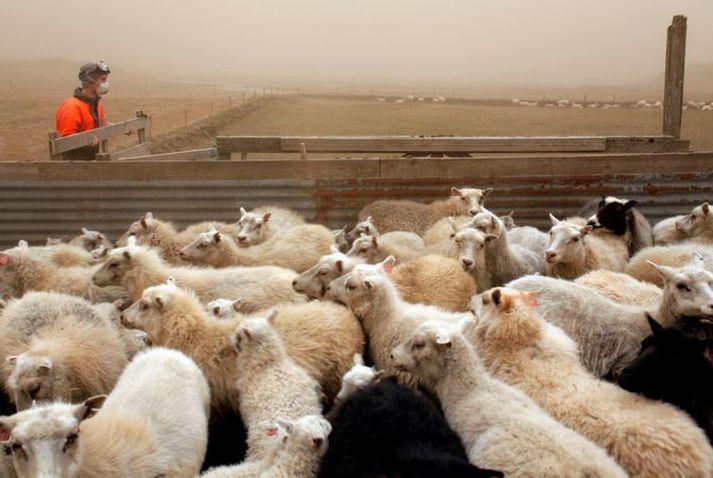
(549, 255)
(467, 263)
(294, 283)
(242, 238)
(33, 390)
(391, 356)
(181, 254)
(473, 212)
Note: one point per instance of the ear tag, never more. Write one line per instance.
(388, 268)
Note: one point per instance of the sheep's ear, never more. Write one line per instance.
(149, 215)
(456, 192)
(697, 260)
(340, 265)
(89, 408)
(171, 282)
(529, 298)
(358, 360)
(667, 273)
(443, 338)
(487, 192)
(7, 424)
(584, 230)
(333, 249)
(368, 219)
(271, 318)
(266, 217)
(237, 305)
(11, 360)
(85, 230)
(212, 228)
(44, 367)
(23, 244)
(374, 241)
(497, 297)
(388, 264)
(216, 237)
(127, 255)
(118, 304)
(3, 304)
(656, 328)
(418, 341)
(554, 220)
(5, 259)
(465, 322)
(242, 212)
(630, 204)
(316, 442)
(705, 207)
(490, 237)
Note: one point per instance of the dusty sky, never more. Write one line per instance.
(559, 42)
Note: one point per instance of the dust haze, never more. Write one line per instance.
(555, 42)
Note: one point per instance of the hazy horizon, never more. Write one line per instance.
(555, 42)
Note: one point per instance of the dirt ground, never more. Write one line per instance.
(25, 119)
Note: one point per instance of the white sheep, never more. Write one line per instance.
(665, 231)
(644, 436)
(640, 104)
(157, 234)
(296, 450)
(577, 106)
(314, 281)
(469, 244)
(90, 240)
(609, 334)
(340, 240)
(501, 428)
(394, 240)
(261, 223)
(297, 248)
(385, 317)
(357, 378)
(698, 224)
(410, 216)
(675, 255)
(622, 288)
(61, 255)
(573, 251)
(593, 105)
(154, 423)
(270, 384)
(136, 268)
(373, 249)
(22, 272)
(57, 347)
(505, 261)
(321, 337)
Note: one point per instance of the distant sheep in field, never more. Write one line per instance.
(261, 223)
(593, 105)
(550, 105)
(410, 216)
(577, 106)
(518, 346)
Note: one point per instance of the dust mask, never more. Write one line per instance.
(103, 88)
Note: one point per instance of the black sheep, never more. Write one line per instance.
(387, 429)
(677, 369)
(621, 217)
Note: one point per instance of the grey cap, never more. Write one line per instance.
(87, 70)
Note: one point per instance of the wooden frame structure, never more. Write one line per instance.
(141, 125)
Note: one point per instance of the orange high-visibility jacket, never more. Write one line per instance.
(75, 115)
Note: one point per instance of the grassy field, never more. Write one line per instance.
(25, 119)
(316, 116)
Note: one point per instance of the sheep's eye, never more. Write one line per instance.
(258, 226)
(143, 306)
(71, 439)
(417, 345)
(575, 239)
(323, 273)
(201, 246)
(364, 250)
(114, 264)
(683, 287)
(350, 287)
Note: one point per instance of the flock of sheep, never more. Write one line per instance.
(606, 106)
(429, 340)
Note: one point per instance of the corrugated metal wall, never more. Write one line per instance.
(35, 210)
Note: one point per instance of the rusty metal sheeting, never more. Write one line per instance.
(33, 211)
(532, 198)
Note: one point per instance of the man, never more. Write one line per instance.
(84, 111)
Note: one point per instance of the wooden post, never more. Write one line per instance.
(303, 151)
(52, 135)
(141, 134)
(673, 82)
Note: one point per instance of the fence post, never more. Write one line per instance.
(673, 83)
(141, 133)
(52, 135)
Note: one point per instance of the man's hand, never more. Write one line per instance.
(95, 141)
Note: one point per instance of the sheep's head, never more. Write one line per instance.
(314, 281)
(612, 215)
(341, 243)
(699, 217)
(205, 249)
(33, 378)
(150, 312)
(43, 441)
(566, 241)
(143, 227)
(426, 353)
(487, 223)
(366, 227)
(305, 437)
(90, 240)
(507, 316)
(224, 308)
(117, 263)
(470, 246)
(357, 378)
(366, 285)
(365, 248)
(252, 228)
(257, 334)
(469, 201)
(688, 290)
